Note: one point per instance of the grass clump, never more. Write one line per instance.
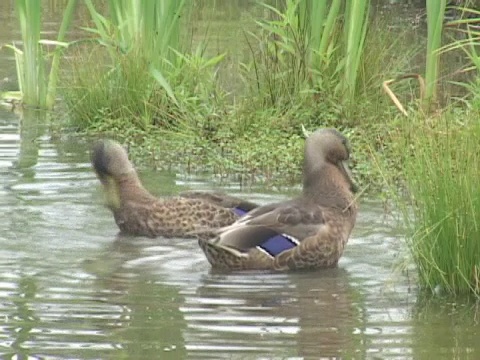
(442, 170)
(37, 84)
(310, 47)
(136, 73)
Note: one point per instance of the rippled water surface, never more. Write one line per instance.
(70, 288)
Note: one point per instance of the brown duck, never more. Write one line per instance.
(137, 212)
(307, 232)
(237, 205)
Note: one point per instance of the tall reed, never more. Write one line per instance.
(442, 177)
(355, 28)
(140, 73)
(308, 49)
(37, 87)
(322, 17)
(435, 17)
(30, 62)
(468, 43)
(150, 28)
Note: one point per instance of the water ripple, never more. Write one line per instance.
(72, 288)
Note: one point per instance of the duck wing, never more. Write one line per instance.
(273, 224)
(239, 205)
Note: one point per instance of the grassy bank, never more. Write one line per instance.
(255, 134)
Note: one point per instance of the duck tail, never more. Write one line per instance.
(223, 257)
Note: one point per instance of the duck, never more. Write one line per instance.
(238, 205)
(309, 231)
(139, 213)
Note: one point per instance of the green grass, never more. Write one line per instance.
(442, 168)
(37, 85)
(149, 29)
(95, 90)
(319, 40)
(435, 17)
(139, 71)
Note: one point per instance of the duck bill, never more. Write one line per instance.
(348, 175)
(112, 197)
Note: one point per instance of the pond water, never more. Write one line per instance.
(70, 288)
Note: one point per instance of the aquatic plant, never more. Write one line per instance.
(441, 171)
(435, 17)
(355, 28)
(468, 43)
(150, 29)
(304, 49)
(36, 89)
(442, 178)
(140, 72)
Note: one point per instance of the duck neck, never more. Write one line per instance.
(322, 186)
(130, 188)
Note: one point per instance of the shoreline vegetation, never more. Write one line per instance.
(137, 79)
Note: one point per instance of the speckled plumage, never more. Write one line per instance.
(220, 198)
(321, 219)
(137, 212)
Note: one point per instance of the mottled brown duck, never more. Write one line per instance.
(307, 232)
(236, 204)
(138, 212)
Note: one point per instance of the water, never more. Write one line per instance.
(70, 288)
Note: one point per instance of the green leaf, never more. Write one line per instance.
(163, 83)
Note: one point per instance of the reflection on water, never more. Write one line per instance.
(284, 315)
(460, 321)
(210, 315)
(72, 288)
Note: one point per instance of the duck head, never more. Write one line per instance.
(111, 164)
(110, 159)
(326, 174)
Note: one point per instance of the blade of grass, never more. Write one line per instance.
(53, 77)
